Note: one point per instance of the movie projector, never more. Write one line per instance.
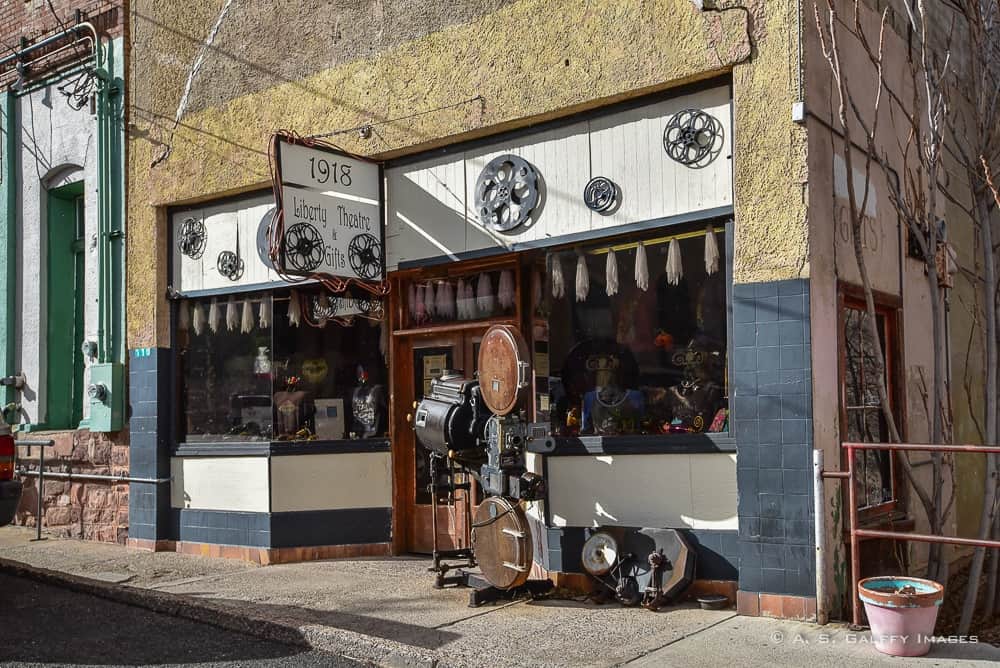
(477, 429)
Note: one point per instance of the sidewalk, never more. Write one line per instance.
(385, 611)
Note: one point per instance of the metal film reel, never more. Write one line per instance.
(365, 255)
(230, 265)
(600, 194)
(304, 247)
(506, 193)
(692, 138)
(191, 238)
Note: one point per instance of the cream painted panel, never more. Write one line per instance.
(628, 148)
(644, 490)
(221, 224)
(562, 159)
(219, 483)
(713, 491)
(427, 199)
(325, 482)
(425, 204)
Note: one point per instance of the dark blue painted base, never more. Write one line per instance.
(352, 526)
(772, 416)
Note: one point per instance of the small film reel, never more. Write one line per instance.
(191, 238)
(693, 138)
(230, 265)
(600, 194)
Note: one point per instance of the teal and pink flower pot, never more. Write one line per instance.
(902, 612)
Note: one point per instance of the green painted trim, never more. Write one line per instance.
(65, 270)
(8, 246)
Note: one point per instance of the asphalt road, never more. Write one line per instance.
(42, 625)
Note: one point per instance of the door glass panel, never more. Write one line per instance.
(428, 363)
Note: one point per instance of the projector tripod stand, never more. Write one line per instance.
(444, 481)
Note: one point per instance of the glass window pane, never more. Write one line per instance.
(636, 361)
(224, 371)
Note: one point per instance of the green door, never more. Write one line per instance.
(64, 307)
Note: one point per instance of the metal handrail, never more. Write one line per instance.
(42, 444)
(857, 533)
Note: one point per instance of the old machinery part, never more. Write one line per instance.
(501, 539)
(601, 194)
(191, 238)
(600, 553)
(648, 566)
(506, 193)
(451, 418)
(693, 138)
(365, 254)
(304, 247)
(504, 370)
(230, 265)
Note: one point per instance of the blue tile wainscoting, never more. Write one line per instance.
(772, 416)
(149, 454)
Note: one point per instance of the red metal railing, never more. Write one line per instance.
(856, 534)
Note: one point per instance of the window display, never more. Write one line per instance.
(642, 355)
(253, 368)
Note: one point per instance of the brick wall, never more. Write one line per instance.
(36, 19)
(92, 510)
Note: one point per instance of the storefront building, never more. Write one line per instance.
(62, 262)
(636, 212)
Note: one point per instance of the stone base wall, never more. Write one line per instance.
(88, 509)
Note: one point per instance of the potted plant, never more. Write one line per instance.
(902, 612)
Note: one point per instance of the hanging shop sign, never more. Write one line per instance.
(330, 212)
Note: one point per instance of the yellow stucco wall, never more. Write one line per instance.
(529, 61)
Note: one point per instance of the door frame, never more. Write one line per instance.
(401, 370)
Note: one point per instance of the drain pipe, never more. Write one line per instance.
(820, 530)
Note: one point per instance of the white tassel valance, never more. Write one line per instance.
(505, 291)
(184, 316)
(429, 300)
(611, 273)
(214, 316)
(294, 309)
(485, 299)
(198, 319)
(461, 304)
(641, 268)
(419, 308)
(582, 279)
(246, 317)
(675, 270)
(232, 315)
(411, 301)
(264, 314)
(711, 251)
(558, 282)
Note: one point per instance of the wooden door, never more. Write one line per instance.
(429, 356)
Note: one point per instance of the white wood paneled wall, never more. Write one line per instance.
(221, 223)
(431, 209)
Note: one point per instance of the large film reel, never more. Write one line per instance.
(504, 370)
(191, 238)
(506, 193)
(693, 138)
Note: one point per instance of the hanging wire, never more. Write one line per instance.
(79, 90)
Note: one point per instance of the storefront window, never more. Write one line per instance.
(280, 366)
(623, 360)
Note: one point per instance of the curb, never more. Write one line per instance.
(348, 644)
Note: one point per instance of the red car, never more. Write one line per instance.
(10, 489)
